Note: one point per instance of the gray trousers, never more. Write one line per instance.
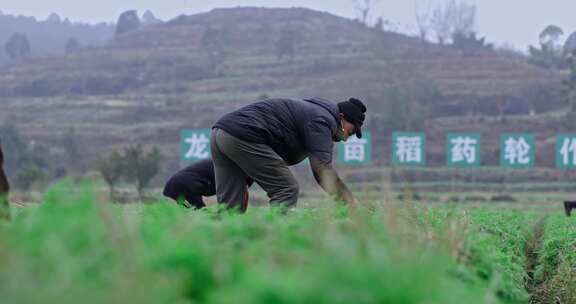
(236, 159)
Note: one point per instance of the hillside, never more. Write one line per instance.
(179, 57)
(148, 84)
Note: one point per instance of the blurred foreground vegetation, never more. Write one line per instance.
(76, 246)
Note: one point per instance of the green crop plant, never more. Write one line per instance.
(76, 246)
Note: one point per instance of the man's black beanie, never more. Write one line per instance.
(354, 111)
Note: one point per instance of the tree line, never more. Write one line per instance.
(31, 165)
(57, 36)
(134, 165)
(28, 36)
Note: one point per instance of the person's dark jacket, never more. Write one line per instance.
(293, 128)
(4, 189)
(197, 178)
(194, 182)
(4, 186)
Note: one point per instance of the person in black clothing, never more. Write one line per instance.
(190, 184)
(262, 139)
(4, 189)
(568, 206)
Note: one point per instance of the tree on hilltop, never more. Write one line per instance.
(127, 22)
(549, 37)
(148, 18)
(550, 53)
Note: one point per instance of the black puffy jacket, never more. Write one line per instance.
(293, 128)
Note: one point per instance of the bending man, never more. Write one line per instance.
(262, 139)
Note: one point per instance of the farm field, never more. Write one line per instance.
(75, 246)
(469, 149)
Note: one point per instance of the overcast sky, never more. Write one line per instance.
(514, 22)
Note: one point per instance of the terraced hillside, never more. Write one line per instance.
(149, 84)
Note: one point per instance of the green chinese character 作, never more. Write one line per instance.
(566, 151)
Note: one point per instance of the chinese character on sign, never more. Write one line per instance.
(566, 151)
(198, 146)
(409, 148)
(463, 149)
(517, 150)
(356, 150)
(195, 145)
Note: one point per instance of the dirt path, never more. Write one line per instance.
(532, 252)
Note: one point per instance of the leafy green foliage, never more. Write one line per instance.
(495, 247)
(556, 274)
(141, 166)
(111, 167)
(134, 164)
(73, 247)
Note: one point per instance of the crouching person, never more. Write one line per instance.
(568, 206)
(4, 189)
(190, 184)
